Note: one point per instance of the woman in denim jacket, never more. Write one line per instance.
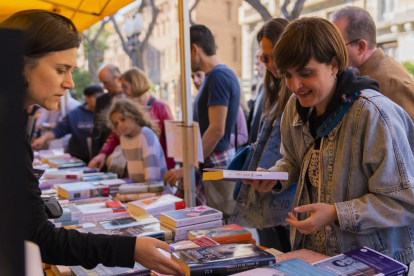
(349, 148)
(267, 147)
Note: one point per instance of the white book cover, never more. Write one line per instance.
(112, 182)
(82, 190)
(190, 216)
(154, 205)
(181, 231)
(216, 174)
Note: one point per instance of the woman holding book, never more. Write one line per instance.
(266, 149)
(349, 149)
(51, 43)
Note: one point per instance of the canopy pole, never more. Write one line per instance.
(186, 105)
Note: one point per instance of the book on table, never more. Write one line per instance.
(101, 270)
(181, 233)
(190, 216)
(155, 205)
(225, 259)
(215, 174)
(362, 261)
(81, 190)
(230, 233)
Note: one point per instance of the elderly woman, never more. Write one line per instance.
(51, 43)
(349, 148)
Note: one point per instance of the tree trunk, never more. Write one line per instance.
(264, 13)
(296, 10)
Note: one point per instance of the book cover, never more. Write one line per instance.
(101, 270)
(146, 230)
(302, 254)
(222, 259)
(200, 242)
(190, 216)
(61, 270)
(133, 197)
(127, 222)
(292, 267)
(183, 231)
(362, 261)
(230, 233)
(155, 205)
(214, 174)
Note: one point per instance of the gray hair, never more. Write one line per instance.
(113, 69)
(360, 24)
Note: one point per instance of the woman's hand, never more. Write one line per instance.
(147, 254)
(38, 143)
(321, 215)
(173, 175)
(98, 161)
(262, 186)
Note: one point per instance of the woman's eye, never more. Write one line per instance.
(305, 74)
(60, 71)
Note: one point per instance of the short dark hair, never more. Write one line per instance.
(360, 24)
(203, 38)
(307, 38)
(44, 32)
(92, 89)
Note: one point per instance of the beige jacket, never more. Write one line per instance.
(394, 80)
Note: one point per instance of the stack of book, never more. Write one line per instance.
(137, 191)
(80, 190)
(138, 269)
(72, 215)
(64, 162)
(182, 221)
(155, 205)
(231, 233)
(98, 176)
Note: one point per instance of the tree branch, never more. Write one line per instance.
(192, 23)
(123, 42)
(142, 6)
(264, 13)
(155, 12)
(296, 10)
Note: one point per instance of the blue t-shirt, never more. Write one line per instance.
(79, 122)
(220, 87)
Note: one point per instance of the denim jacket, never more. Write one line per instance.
(366, 170)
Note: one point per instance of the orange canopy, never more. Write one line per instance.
(84, 13)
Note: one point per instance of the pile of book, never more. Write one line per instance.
(155, 205)
(184, 220)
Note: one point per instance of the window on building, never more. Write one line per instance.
(228, 4)
(235, 50)
(386, 10)
(390, 48)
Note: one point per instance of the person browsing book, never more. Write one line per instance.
(139, 141)
(51, 42)
(348, 147)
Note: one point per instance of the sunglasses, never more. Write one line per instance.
(264, 58)
(353, 41)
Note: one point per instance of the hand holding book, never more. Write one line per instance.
(147, 254)
(261, 186)
(322, 214)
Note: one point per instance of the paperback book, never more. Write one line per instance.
(362, 261)
(181, 233)
(155, 205)
(215, 174)
(101, 270)
(190, 216)
(80, 190)
(230, 233)
(225, 259)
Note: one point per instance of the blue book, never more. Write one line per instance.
(362, 261)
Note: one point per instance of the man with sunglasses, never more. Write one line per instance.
(359, 32)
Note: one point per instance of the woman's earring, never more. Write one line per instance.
(335, 78)
(26, 83)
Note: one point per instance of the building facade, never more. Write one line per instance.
(394, 20)
(162, 57)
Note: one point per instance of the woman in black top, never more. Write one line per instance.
(51, 42)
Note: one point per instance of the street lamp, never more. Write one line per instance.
(132, 29)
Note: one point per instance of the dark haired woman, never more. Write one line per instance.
(349, 148)
(51, 43)
(266, 148)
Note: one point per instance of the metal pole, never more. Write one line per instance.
(186, 105)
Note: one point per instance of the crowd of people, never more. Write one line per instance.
(332, 110)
